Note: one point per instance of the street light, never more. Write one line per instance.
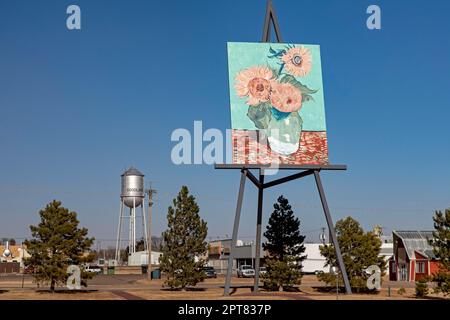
(335, 271)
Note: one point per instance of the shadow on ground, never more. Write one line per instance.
(186, 289)
(65, 291)
(433, 298)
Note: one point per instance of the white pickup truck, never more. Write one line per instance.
(245, 271)
(94, 269)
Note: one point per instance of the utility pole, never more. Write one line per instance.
(322, 236)
(150, 193)
(99, 249)
(22, 253)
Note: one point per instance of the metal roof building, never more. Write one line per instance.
(413, 256)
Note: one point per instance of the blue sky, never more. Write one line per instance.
(78, 107)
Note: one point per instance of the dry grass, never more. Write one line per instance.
(36, 295)
(206, 294)
(210, 289)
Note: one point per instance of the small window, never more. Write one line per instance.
(420, 267)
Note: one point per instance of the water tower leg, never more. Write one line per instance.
(130, 232)
(134, 224)
(119, 231)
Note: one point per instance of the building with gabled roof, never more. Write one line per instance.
(413, 256)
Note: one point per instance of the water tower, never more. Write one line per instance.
(7, 251)
(132, 196)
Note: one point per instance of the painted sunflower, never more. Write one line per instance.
(254, 83)
(285, 97)
(298, 61)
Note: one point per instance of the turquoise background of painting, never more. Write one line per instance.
(242, 55)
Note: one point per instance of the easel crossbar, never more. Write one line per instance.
(253, 178)
(276, 182)
(288, 178)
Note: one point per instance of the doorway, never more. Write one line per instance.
(403, 272)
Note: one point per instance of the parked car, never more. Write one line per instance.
(94, 269)
(245, 271)
(262, 271)
(316, 272)
(210, 272)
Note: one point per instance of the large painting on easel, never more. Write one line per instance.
(277, 104)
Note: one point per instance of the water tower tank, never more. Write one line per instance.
(7, 252)
(132, 188)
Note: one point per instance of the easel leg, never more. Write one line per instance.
(235, 232)
(332, 232)
(258, 231)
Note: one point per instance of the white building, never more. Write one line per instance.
(140, 258)
(314, 262)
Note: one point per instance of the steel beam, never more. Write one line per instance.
(253, 179)
(287, 179)
(326, 210)
(237, 217)
(258, 231)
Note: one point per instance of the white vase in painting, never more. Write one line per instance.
(284, 134)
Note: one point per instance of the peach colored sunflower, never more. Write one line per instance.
(298, 61)
(254, 83)
(285, 97)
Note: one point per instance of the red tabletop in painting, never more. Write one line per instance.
(250, 150)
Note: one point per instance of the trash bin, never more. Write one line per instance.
(110, 270)
(156, 274)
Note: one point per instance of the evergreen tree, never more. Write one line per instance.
(57, 243)
(284, 246)
(422, 288)
(183, 243)
(359, 251)
(140, 245)
(441, 249)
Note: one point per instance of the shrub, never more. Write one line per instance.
(281, 274)
(421, 288)
(442, 280)
(401, 291)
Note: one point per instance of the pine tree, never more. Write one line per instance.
(57, 243)
(140, 245)
(359, 251)
(284, 246)
(422, 288)
(183, 243)
(441, 249)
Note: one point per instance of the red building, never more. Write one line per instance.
(413, 256)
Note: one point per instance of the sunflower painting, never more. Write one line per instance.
(277, 104)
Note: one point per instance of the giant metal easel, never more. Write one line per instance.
(306, 170)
